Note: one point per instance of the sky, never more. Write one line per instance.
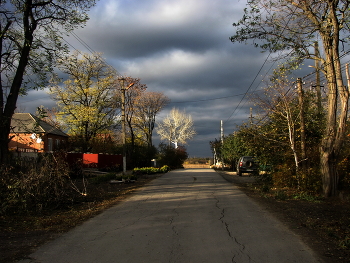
(180, 48)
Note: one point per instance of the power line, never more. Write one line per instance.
(200, 100)
(260, 69)
(311, 74)
(81, 41)
(323, 77)
(245, 94)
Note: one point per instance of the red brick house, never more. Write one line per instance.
(30, 134)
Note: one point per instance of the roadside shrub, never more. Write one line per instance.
(151, 170)
(168, 155)
(141, 156)
(284, 176)
(146, 170)
(102, 178)
(265, 180)
(44, 186)
(307, 197)
(307, 183)
(310, 181)
(265, 188)
(344, 174)
(76, 169)
(115, 168)
(119, 177)
(164, 169)
(281, 195)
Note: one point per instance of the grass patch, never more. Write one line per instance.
(103, 178)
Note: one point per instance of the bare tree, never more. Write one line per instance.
(279, 102)
(177, 128)
(147, 106)
(136, 88)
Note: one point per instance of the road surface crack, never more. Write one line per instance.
(241, 248)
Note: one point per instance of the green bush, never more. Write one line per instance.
(146, 170)
(151, 170)
(169, 156)
(164, 169)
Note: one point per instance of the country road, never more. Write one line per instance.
(190, 215)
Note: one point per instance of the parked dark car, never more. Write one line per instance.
(247, 164)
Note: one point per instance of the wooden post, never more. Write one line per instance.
(123, 89)
(122, 80)
(222, 143)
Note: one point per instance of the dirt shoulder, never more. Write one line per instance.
(323, 225)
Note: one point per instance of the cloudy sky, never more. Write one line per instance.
(180, 48)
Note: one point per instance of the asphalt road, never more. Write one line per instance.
(190, 215)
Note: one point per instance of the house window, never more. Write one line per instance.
(57, 144)
(49, 146)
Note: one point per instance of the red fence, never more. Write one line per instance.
(91, 160)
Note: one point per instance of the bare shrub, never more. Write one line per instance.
(45, 185)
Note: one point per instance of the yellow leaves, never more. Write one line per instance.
(86, 99)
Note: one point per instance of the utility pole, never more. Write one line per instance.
(251, 116)
(222, 143)
(123, 88)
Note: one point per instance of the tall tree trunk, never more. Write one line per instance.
(302, 125)
(335, 129)
(318, 82)
(152, 120)
(8, 109)
(327, 149)
(330, 178)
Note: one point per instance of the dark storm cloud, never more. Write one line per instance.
(146, 29)
(181, 48)
(129, 43)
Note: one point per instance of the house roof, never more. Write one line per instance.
(28, 123)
